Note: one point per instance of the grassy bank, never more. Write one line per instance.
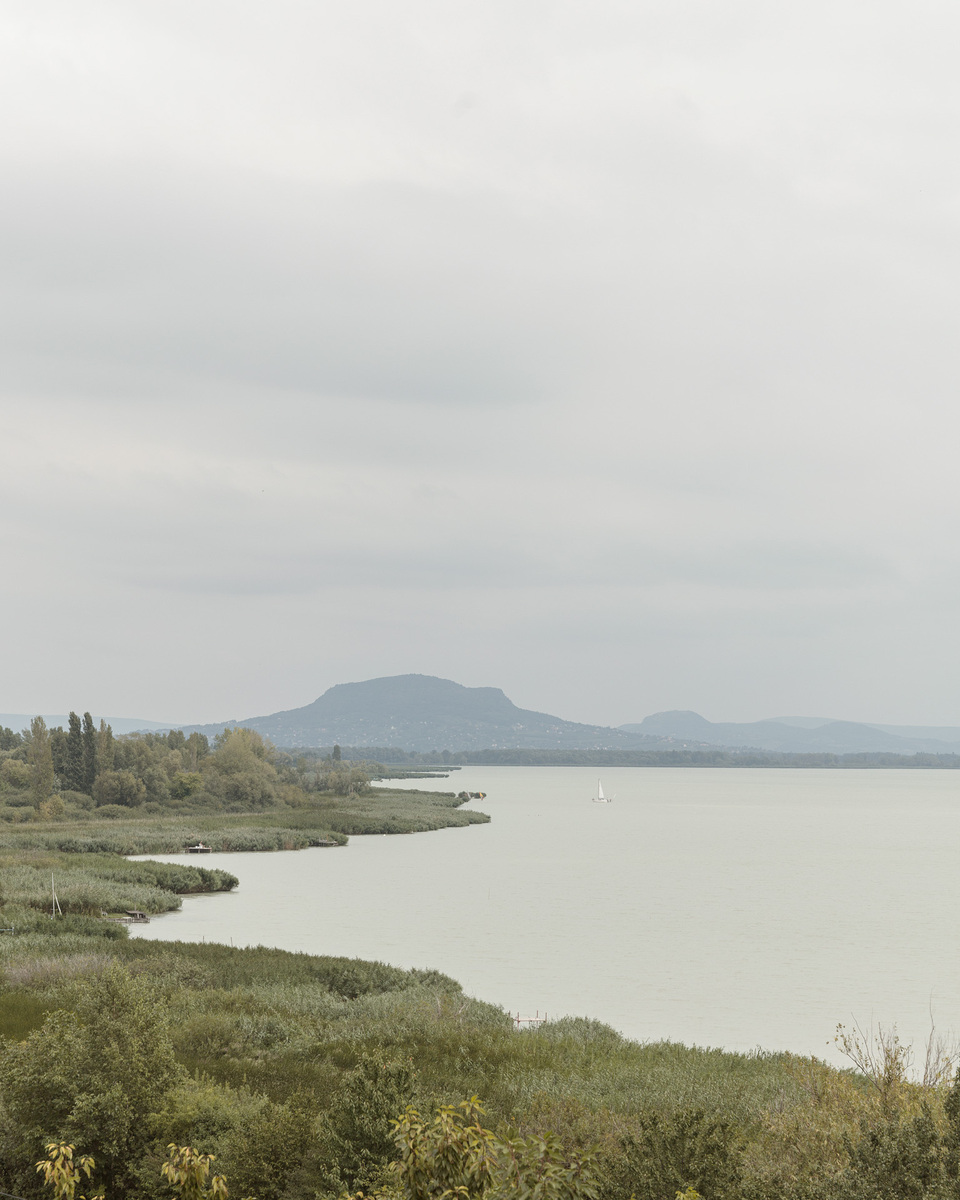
(329, 820)
(82, 853)
(94, 884)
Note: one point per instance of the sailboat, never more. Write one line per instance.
(600, 798)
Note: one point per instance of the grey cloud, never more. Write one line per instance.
(379, 290)
(629, 386)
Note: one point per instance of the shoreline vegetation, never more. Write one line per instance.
(397, 763)
(291, 1068)
(74, 803)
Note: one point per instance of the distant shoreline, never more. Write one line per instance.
(413, 762)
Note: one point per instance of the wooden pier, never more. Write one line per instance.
(533, 1022)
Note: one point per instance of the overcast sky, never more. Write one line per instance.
(605, 352)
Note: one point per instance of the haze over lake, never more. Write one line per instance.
(717, 907)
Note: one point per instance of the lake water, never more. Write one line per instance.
(735, 908)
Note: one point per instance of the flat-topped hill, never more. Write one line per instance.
(422, 712)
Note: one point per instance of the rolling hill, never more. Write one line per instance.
(789, 736)
(422, 712)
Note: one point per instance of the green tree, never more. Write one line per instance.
(195, 750)
(951, 1141)
(343, 780)
(8, 739)
(15, 773)
(93, 1076)
(105, 747)
(899, 1158)
(455, 1156)
(40, 760)
(58, 749)
(62, 1172)
(357, 1139)
(119, 787)
(241, 770)
(73, 767)
(89, 756)
(157, 784)
(684, 1149)
(188, 1171)
(186, 783)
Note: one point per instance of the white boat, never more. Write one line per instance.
(600, 798)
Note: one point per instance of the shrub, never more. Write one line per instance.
(118, 787)
(15, 774)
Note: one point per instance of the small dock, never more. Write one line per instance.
(133, 917)
(199, 848)
(530, 1022)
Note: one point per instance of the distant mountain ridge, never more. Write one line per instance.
(783, 736)
(20, 721)
(424, 713)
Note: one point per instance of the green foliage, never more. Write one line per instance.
(186, 783)
(357, 1138)
(88, 757)
(896, 1159)
(62, 1172)
(71, 770)
(15, 773)
(86, 774)
(8, 739)
(454, 1155)
(106, 750)
(681, 1150)
(343, 780)
(92, 1074)
(291, 1067)
(119, 788)
(20, 1014)
(40, 760)
(188, 1172)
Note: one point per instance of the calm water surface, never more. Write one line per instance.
(717, 907)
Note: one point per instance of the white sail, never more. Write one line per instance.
(600, 798)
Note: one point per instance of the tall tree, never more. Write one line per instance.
(73, 777)
(58, 748)
(196, 747)
(8, 739)
(89, 753)
(40, 758)
(105, 747)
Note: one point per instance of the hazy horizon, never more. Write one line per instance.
(125, 723)
(604, 354)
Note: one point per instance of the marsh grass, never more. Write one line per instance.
(266, 1031)
(328, 821)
